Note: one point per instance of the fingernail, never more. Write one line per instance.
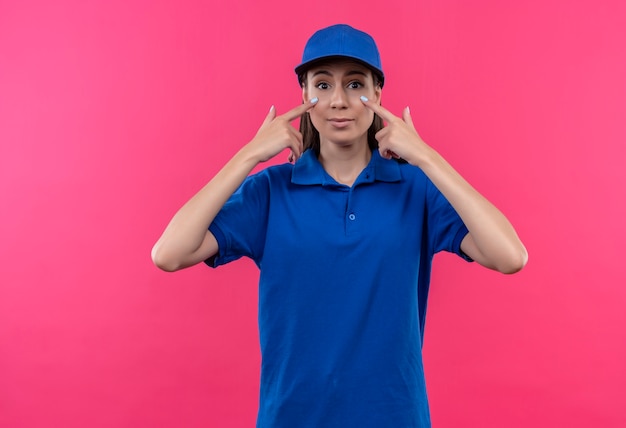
(408, 109)
(272, 108)
(314, 100)
(364, 98)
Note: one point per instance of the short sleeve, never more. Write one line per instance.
(240, 226)
(446, 230)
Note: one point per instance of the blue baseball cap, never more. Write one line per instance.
(341, 41)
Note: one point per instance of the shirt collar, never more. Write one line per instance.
(309, 171)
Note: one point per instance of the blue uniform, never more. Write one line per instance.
(344, 282)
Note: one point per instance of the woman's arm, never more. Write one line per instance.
(186, 240)
(492, 240)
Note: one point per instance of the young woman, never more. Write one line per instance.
(344, 240)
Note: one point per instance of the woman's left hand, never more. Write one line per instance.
(398, 139)
(491, 241)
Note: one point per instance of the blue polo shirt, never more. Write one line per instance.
(343, 288)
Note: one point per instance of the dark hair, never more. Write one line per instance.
(310, 136)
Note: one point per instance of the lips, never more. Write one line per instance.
(340, 122)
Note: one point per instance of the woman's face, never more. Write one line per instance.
(340, 116)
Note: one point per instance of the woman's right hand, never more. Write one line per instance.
(186, 239)
(277, 134)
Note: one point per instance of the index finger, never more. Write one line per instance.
(298, 111)
(381, 111)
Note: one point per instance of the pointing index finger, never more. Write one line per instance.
(381, 111)
(298, 111)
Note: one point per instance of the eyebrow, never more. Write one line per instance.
(349, 73)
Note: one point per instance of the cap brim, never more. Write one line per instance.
(305, 66)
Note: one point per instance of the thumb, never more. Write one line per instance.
(271, 115)
(406, 116)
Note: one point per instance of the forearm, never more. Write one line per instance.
(184, 241)
(492, 240)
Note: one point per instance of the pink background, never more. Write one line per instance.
(113, 113)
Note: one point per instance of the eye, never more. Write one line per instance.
(355, 85)
(322, 85)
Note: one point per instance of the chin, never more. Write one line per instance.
(343, 141)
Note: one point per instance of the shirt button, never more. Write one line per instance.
(351, 216)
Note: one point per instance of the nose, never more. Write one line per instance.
(339, 98)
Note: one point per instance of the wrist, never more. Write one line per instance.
(422, 156)
(247, 156)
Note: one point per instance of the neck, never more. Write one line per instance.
(344, 163)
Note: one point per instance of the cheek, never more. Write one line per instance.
(366, 118)
(316, 119)
(365, 113)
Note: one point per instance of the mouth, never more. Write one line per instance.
(340, 122)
